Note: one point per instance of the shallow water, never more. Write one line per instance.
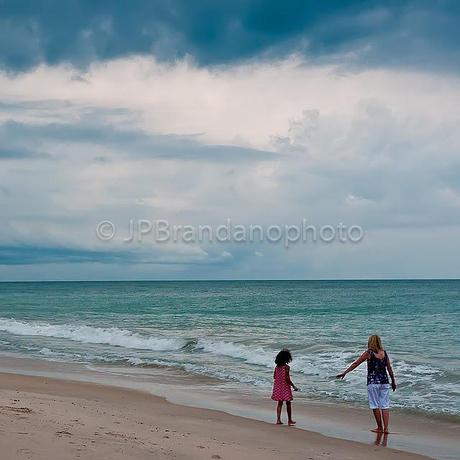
(232, 330)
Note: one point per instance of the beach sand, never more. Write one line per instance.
(53, 419)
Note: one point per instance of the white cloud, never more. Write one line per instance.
(240, 104)
(378, 148)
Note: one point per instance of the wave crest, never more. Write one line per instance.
(88, 334)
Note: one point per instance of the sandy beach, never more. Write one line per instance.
(44, 418)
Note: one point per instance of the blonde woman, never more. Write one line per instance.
(378, 386)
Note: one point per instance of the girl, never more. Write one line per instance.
(378, 388)
(282, 386)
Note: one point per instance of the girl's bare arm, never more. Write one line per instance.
(359, 361)
(288, 379)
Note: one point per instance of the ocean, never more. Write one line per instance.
(231, 331)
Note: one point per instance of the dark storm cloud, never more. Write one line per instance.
(21, 140)
(27, 254)
(421, 33)
(12, 148)
(16, 153)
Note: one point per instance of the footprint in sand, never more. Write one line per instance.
(19, 410)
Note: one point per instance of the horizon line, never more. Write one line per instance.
(158, 280)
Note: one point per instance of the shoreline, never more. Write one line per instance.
(335, 423)
(61, 419)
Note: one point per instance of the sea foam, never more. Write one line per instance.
(251, 355)
(88, 334)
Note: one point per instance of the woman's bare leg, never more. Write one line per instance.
(386, 419)
(279, 407)
(378, 419)
(289, 412)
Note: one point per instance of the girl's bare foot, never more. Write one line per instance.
(279, 422)
(292, 422)
(377, 430)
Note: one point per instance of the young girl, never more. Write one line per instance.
(282, 386)
(378, 387)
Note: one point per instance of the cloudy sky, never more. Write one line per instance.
(261, 112)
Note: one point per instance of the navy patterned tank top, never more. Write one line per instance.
(377, 369)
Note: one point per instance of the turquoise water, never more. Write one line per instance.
(231, 330)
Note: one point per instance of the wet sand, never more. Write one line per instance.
(173, 396)
(44, 418)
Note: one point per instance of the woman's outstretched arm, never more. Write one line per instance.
(359, 361)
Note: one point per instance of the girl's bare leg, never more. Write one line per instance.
(378, 419)
(279, 407)
(289, 412)
(386, 419)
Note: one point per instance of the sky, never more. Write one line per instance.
(257, 113)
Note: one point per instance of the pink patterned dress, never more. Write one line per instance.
(281, 389)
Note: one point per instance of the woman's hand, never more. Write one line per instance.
(393, 385)
(359, 361)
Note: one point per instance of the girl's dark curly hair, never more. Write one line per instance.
(283, 357)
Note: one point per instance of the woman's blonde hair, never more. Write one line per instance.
(375, 343)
